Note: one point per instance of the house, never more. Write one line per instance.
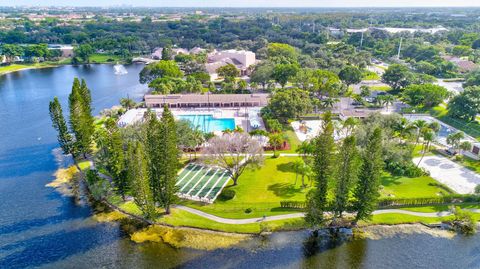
(464, 66)
(197, 50)
(242, 59)
(67, 50)
(157, 53)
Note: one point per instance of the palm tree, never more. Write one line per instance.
(465, 146)
(455, 139)
(127, 103)
(275, 140)
(198, 138)
(297, 166)
(379, 100)
(349, 125)
(403, 128)
(329, 102)
(419, 125)
(428, 137)
(388, 100)
(305, 171)
(435, 126)
(305, 149)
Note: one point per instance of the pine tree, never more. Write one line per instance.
(87, 117)
(170, 153)
(324, 164)
(167, 53)
(138, 176)
(81, 119)
(75, 106)
(366, 192)
(116, 158)
(348, 164)
(154, 154)
(64, 138)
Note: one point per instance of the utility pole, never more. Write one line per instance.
(399, 48)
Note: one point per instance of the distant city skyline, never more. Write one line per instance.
(247, 3)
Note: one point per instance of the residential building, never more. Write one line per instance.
(240, 58)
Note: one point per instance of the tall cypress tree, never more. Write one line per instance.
(155, 155)
(348, 164)
(169, 164)
(366, 191)
(76, 108)
(64, 138)
(138, 177)
(324, 168)
(88, 119)
(81, 119)
(116, 157)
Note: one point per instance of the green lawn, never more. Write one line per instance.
(292, 140)
(438, 208)
(260, 190)
(16, 67)
(405, 187)
(370, 75)
(380, 88)
(104, 58)
(401, 218)
(187, 219)
(470, 163)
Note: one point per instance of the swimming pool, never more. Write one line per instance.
(207, 123)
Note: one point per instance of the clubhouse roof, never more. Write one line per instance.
(207, 100)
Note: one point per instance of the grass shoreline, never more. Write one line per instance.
(184, 229)
(95, 59)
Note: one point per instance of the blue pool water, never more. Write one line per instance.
(207, 123)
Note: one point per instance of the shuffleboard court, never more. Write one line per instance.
(201, 183)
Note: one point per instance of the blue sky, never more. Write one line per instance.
(247, 3)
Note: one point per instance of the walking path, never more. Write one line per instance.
(238, 221)
(301, 215)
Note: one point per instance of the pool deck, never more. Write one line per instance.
(240, 115)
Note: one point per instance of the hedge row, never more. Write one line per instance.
(401, 202)
(292, 204)
(448, 199)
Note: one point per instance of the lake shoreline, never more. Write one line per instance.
(49, 65)
(358, 231)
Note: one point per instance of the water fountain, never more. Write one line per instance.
(120, 69)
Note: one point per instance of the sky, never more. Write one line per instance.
(248, 3)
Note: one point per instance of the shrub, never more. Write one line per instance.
(248, 210)
(477, 189)
(293, 204)
(463, 221)
(226, 195)
(407, 169)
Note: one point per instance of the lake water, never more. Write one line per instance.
(41, 228)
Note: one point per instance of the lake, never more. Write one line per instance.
(41, 228)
